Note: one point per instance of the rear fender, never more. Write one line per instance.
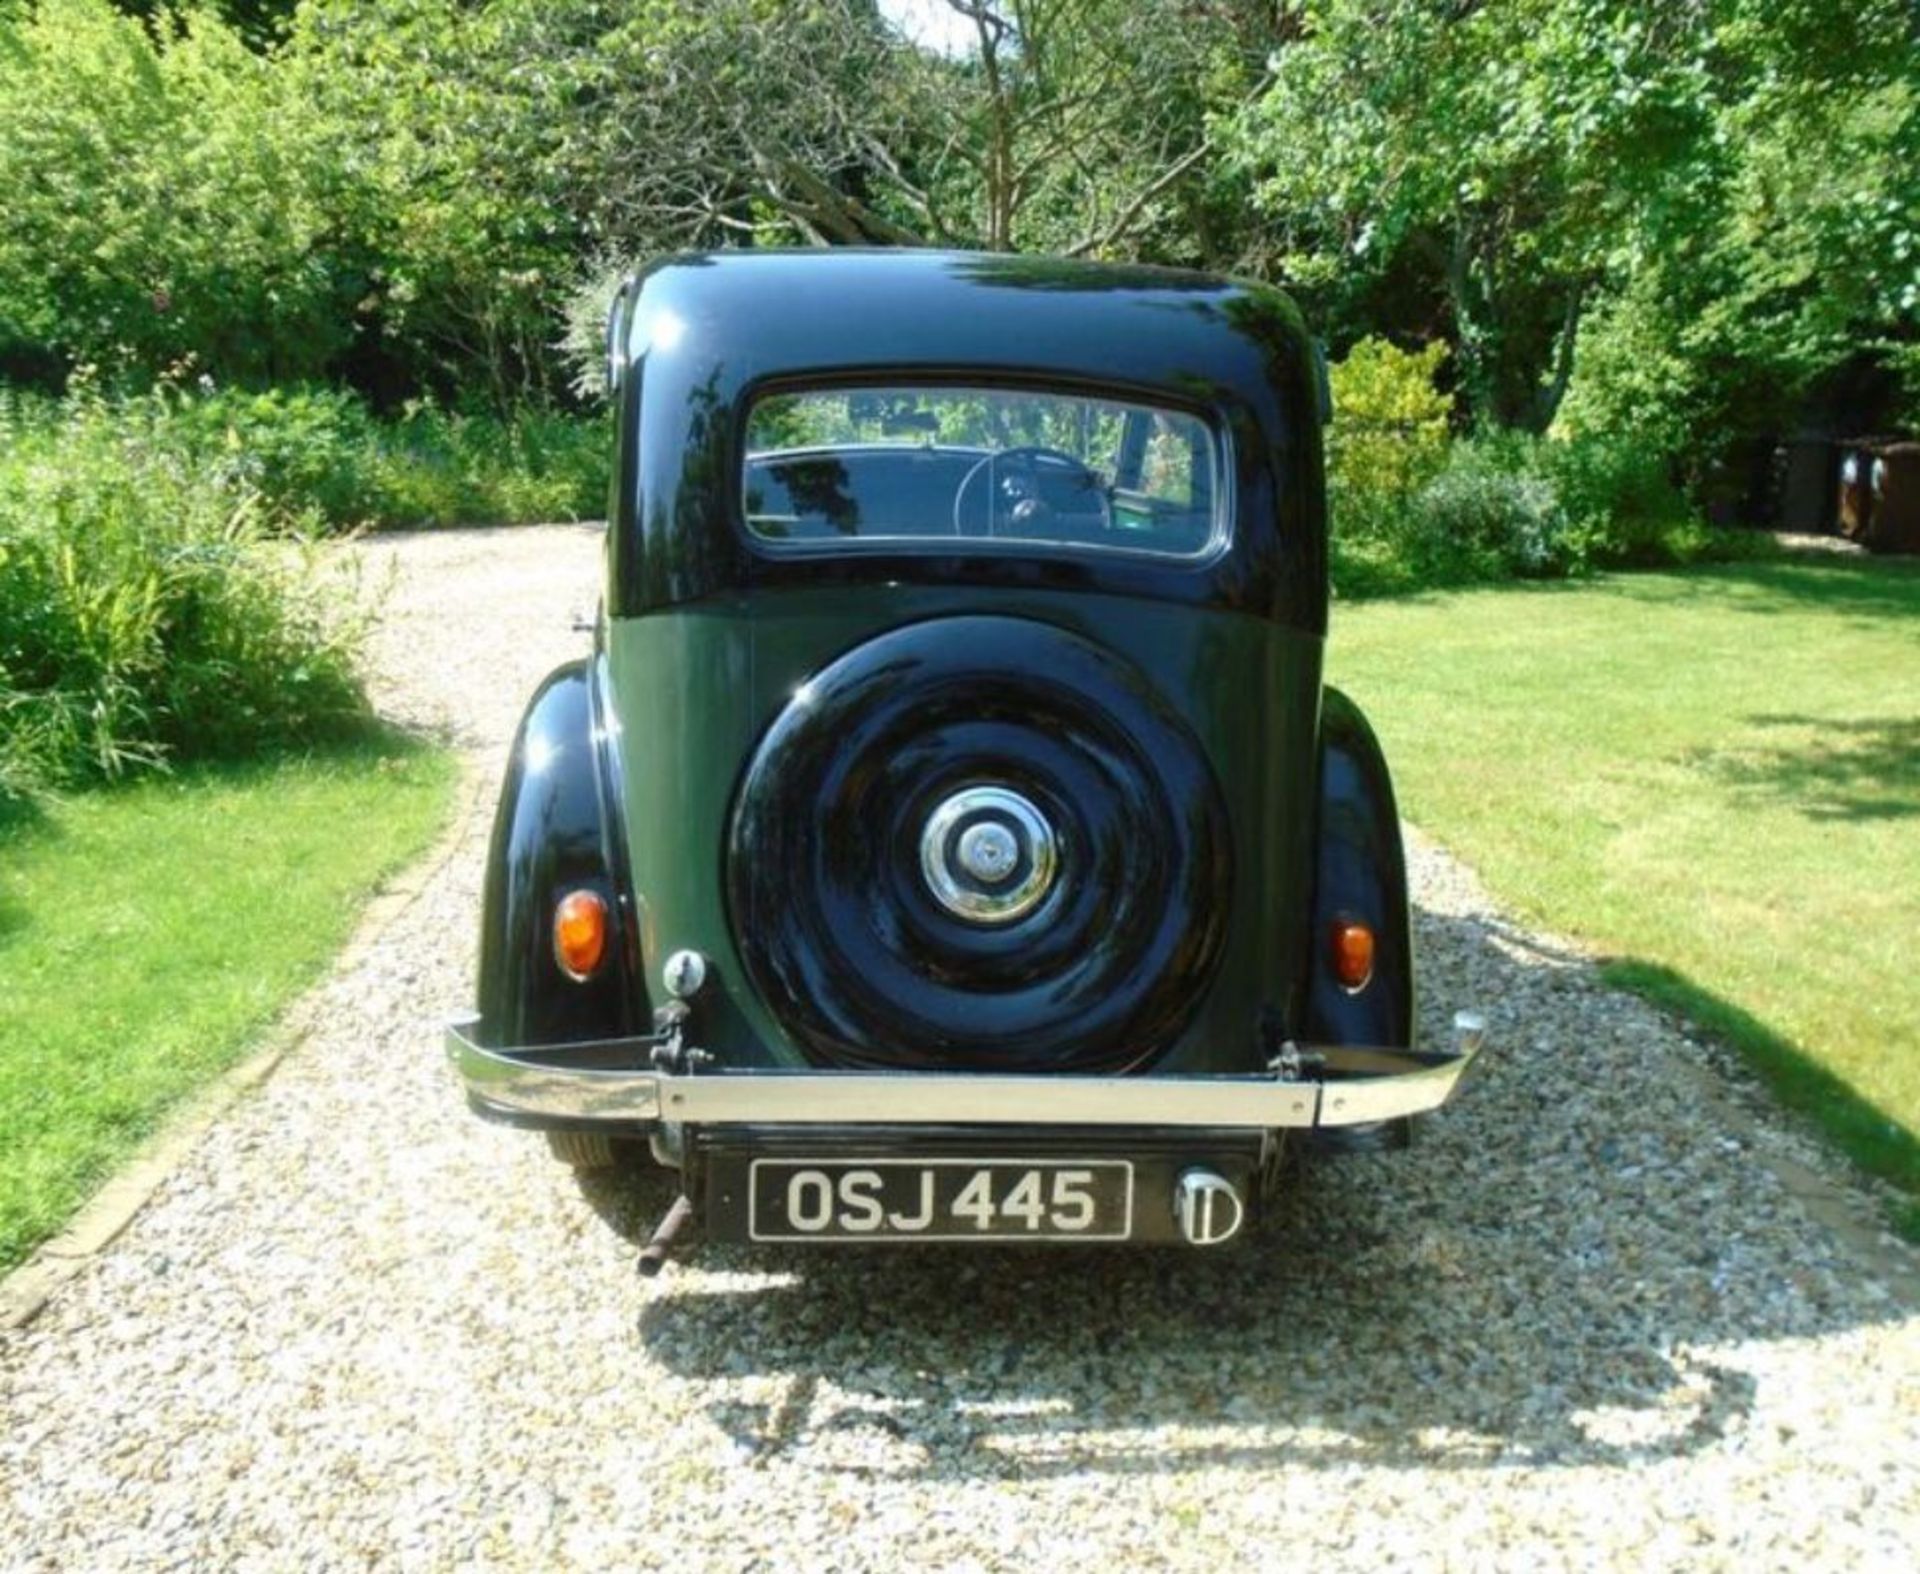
(1360, 872)
(554, 832)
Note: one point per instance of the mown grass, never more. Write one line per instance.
(1714, 777)
(149, 932)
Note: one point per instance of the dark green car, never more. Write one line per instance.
(950, 837)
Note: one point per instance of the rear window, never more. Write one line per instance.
(890, 465)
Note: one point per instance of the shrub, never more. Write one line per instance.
(300, 448)
(321, 454)
(1622, 506)
(144, 613)
(1389, 432)
(1508, 504)
(435, 467)
(583, 338)
(1614, 501)
(167, 196)
(1473, 521)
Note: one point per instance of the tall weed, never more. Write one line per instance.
(320, 449)
(151, 608)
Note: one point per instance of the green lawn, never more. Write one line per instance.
(148, 934)
(1714, 777)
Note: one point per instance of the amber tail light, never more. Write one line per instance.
(1350, 952)
(580, 934)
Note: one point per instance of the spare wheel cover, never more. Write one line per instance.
(885, 862)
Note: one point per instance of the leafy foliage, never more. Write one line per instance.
(1474, 521)
(1391, 424)
(1795, 264)
(1676, 228)
(1412, 506)
(1676, 218)
(144, 614)
(320, 453)
(449, 127)
(166, 200)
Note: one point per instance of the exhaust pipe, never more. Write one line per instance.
(653, 1256)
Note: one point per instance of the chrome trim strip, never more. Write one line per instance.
(960, 1098)
(536, 1082)
(1363, 1101)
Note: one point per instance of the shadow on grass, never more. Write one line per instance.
(1866, 587)
(1861, 769)
(23, 820)
(363, 742)
(1879, 1145)
(1386, 1312)
(20, 813)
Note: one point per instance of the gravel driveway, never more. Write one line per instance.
(1583, 1321)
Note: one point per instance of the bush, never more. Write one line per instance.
(1506, 504)
(1622, 506)
(298, 448)
(1473, 521)
(145, 614)
(1390, 431)
(433, 467)
(319, 452)
(168, 196)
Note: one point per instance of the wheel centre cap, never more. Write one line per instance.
(987, 851)
(988, 855)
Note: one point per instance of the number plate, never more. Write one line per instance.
(940, 1200)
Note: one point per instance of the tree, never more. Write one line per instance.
(1073, 125)
(1690, 179)
(1794, 261)
(449, 128)
(1477, 158)
(163, 200)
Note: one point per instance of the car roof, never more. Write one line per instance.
(695, 338)
(769, 314)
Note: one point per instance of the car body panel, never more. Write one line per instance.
(1360, 872)
(555, 832)
(711, 677)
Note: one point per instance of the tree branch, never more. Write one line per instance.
(1129, 214)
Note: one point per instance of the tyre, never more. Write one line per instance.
(584, 1150)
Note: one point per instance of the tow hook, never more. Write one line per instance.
(1209, 1207)
(653, 1256)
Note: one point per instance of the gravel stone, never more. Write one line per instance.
(1589, 1318)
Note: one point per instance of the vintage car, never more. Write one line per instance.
(950, 836)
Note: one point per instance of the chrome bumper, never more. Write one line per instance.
(1337, 1086)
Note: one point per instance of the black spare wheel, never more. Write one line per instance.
(981, 843)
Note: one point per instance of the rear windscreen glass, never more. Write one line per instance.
(845, 467)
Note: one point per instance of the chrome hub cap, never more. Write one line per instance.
(988, 855)
(988, 852)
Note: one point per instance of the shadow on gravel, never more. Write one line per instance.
(1548, 1277)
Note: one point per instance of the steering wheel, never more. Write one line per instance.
(1020, 502)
